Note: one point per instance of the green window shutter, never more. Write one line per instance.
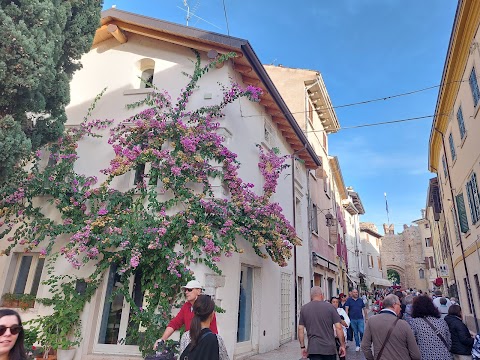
(462, 213)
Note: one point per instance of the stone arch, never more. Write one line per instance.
(401, 271)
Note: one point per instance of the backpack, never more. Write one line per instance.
(476, 348)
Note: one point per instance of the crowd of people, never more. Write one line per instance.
(402, 325)
(406, 325)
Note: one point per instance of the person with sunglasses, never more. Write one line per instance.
(11, 336)
(184, 317)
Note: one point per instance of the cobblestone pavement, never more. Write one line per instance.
(291, 351)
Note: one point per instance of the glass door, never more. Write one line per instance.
(245, 302)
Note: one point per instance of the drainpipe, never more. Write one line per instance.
(295, 246)
(469, 288)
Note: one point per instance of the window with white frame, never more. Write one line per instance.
(27, 274)
(461, 123)
(452, 147)
(268, 133)
(370, 261)
(115, 326)
(473, 198)
(474, 87)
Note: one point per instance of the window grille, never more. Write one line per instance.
(461, 123)
(452, 147)
(474, 87)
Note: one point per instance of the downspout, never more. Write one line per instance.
(469, 288)
(295, 246)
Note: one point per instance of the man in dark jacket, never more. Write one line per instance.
(462, 341)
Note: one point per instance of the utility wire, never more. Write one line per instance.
(376, 99)
(377, 124)
(226, 17)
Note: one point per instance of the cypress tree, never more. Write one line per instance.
(40, 48)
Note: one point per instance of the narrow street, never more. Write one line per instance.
(291, 351)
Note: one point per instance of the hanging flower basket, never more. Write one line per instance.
(438, 281)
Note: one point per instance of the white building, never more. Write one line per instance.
(353, 209)
(127, 46)
(375, 273)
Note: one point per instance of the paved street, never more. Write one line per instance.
(291, 351)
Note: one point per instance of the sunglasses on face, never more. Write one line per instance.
(188, 290)
(14, 329)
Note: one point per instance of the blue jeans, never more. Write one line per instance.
(358, 327)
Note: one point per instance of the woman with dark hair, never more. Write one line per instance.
(431, 332)
(11, 336)
(462, 341)
(200, 343)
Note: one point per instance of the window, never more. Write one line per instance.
(432, 263)
(268, 133)
(452, 147)
(427, 226)
(428, 242)
(245, 304)
(370, 261)
(139, 174)
(462, 213)
(379, 261)
(461, 123)
(473, 198)
(468, 295)
(314, 219)
(116, 310)
(28, 271)
(444, 164)
(421, 274)
(477, 284)
(455, 226)
(427, 263)
(147, 79)
(145, 69)
(474, 87)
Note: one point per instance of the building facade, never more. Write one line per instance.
(375, 275)
(403, 253)
(454, 152)
(306, 96)
(258, 296)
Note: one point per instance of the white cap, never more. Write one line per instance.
(192, 284)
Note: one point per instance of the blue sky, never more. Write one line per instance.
(365, 49)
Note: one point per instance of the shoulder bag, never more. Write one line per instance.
(440, 336)
(386, 339)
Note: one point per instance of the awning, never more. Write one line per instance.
(379, 281)
(351, 278)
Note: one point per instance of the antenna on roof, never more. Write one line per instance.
(191, 12)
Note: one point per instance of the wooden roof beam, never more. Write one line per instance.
(175, 39)
(117, 33)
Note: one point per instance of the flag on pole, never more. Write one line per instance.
(386, 208)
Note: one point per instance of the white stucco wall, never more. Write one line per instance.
(115, 66)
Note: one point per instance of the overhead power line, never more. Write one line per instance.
(384, 98)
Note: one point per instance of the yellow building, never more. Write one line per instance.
(454, 152)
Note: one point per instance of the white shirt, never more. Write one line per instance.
(442, 308)
(343, 313)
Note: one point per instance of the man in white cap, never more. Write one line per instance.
(185, 315)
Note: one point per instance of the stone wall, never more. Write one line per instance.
(403, 253)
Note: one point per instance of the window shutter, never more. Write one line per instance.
(427, 263)
(462, 214)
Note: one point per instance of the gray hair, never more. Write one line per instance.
(316, 291)
(409, 299)
(390, 300)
